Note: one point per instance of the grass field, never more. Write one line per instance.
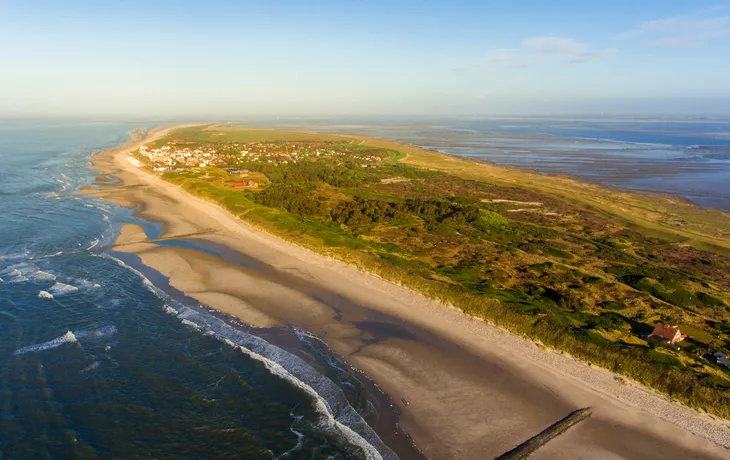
(581, 268)
(218, 134)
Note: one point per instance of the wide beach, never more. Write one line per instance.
(473, 390)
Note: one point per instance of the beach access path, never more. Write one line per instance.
(474, 391)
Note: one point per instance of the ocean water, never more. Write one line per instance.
(687, 158)
(101, 359)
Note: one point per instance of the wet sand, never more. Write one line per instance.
(474, 391)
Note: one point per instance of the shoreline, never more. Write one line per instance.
(386, 420)
(436, 332)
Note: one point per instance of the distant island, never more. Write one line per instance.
(638, 284)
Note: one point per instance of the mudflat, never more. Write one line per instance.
(474, 391)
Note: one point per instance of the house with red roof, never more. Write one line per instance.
(244, 185)
(667, 333)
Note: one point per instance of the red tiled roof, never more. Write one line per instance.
(665, 331)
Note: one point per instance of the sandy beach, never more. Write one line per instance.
(474, 391)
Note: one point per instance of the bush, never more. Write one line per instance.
(489, 219)
(610, 305)
(662, 361)
(607, 321)
(708, 300)
(555, 252)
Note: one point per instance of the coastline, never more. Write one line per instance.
(471, 395)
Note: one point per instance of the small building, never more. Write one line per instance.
(721, 359)
(233, 171)
(245, 185)
(667, 333)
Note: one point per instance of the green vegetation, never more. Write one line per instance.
(579, 279)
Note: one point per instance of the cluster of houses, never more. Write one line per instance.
(170, 158)
(293, 152)
(174, 155)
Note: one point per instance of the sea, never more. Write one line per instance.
(101, 358)
(689, 158)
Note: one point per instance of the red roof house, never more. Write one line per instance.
(667, 333)
(247, 184)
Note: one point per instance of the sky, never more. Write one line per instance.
(218, 59)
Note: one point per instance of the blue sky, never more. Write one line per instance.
(224, 58)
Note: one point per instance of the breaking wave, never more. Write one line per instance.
(45, 295)
(68, 337)
(15, 276)
(62, 289)
(25, 271)
(22, 268)
(40, 275)
(86, 284)
(338, 419)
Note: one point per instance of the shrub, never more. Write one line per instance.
(662, 361)
(708, 300)
(490, 219)
(555, 252)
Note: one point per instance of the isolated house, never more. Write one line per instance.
(667, 333)
(247, 184)
(721, 359)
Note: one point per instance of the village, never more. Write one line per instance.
(176, 156)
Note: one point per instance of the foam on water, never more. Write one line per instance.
(15, 277)
(147, 283)
(337, 418)
(40, 275)
(62, 289)
(23, 268)
(300, 437)
(86, 284)
(105, 331)
(90, 367)
(45, 295)
(18, 255)
(68, 337)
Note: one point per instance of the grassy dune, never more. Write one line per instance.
(580, 268)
